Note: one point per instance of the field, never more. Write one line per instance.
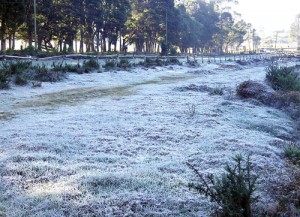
(116, 143)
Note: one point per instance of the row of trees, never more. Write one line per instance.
(98, 25)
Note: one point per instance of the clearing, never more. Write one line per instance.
(116, 143)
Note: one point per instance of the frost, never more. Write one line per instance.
(116, 143)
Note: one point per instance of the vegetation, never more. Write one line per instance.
(216, 91)
(292, 152)
(98, 26)
(283, 78)
(233, 190)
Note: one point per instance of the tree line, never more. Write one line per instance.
(111, 25)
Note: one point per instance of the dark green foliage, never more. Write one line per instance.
(4, 78)
(292, 152)
(192, 63)
(283, 78)
(42, 73)
(91, 64)
(110, 64)
(233, 190)
(174, 61)
(151, 62)
(20, 80)
(124, 64)
(19, 67)
(216, 91)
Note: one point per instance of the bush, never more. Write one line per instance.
(174, 61)
(124, 64)
(110, 64)
(20, 80)
(42, 73)
(283, 78)
(258, 91)
(292, 152)
(232, 191)
(216, 91)
(19, 67)
(4, 78)
(91, 64)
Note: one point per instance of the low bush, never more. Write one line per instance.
(174, 61)
(20, 80)
(19, 67)
(232, 191)
(283, 78)
(124, 64)
(258, 91)
(4, 78)
(42, 73)
(91, 64)
(292, 152)
(110, 64)
(192, 63)
(150, 62)
(216, 91)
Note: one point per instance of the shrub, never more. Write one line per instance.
(19, 67)
(174, 61)
(216, 91)
(192, 63)
(42, 73)
(20, 80)
(109, 64)
(149, 62)
(91, 64)
(232, 191)
(4, 78)
(258, 91)
(283, 78)
(292, 152)
(124, 64)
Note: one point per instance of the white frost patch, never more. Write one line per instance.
(116, 143)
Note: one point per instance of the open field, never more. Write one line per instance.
(116, 143)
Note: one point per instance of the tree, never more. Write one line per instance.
(11, 17)
(295, 31)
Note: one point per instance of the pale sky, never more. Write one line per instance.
(269, 15)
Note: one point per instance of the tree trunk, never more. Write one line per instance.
(81, 41)
(2, 33)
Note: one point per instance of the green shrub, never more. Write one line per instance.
(124, 64)
(42, 73)
(292, 152)
(29, 51)
(4, 78)
(174, 61)
(20, 80)
(110, 64)
(216, 91)
(192, 63)
(232, 191)
(91, 64)
(19, 67)
(283, 78)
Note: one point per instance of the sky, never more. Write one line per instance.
(268, 16)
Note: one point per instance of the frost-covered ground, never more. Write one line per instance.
(116, 143)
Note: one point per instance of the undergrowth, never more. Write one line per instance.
(283, 78)
(292, 152)
(232, 191)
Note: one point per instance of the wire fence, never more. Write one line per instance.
(137, 58)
